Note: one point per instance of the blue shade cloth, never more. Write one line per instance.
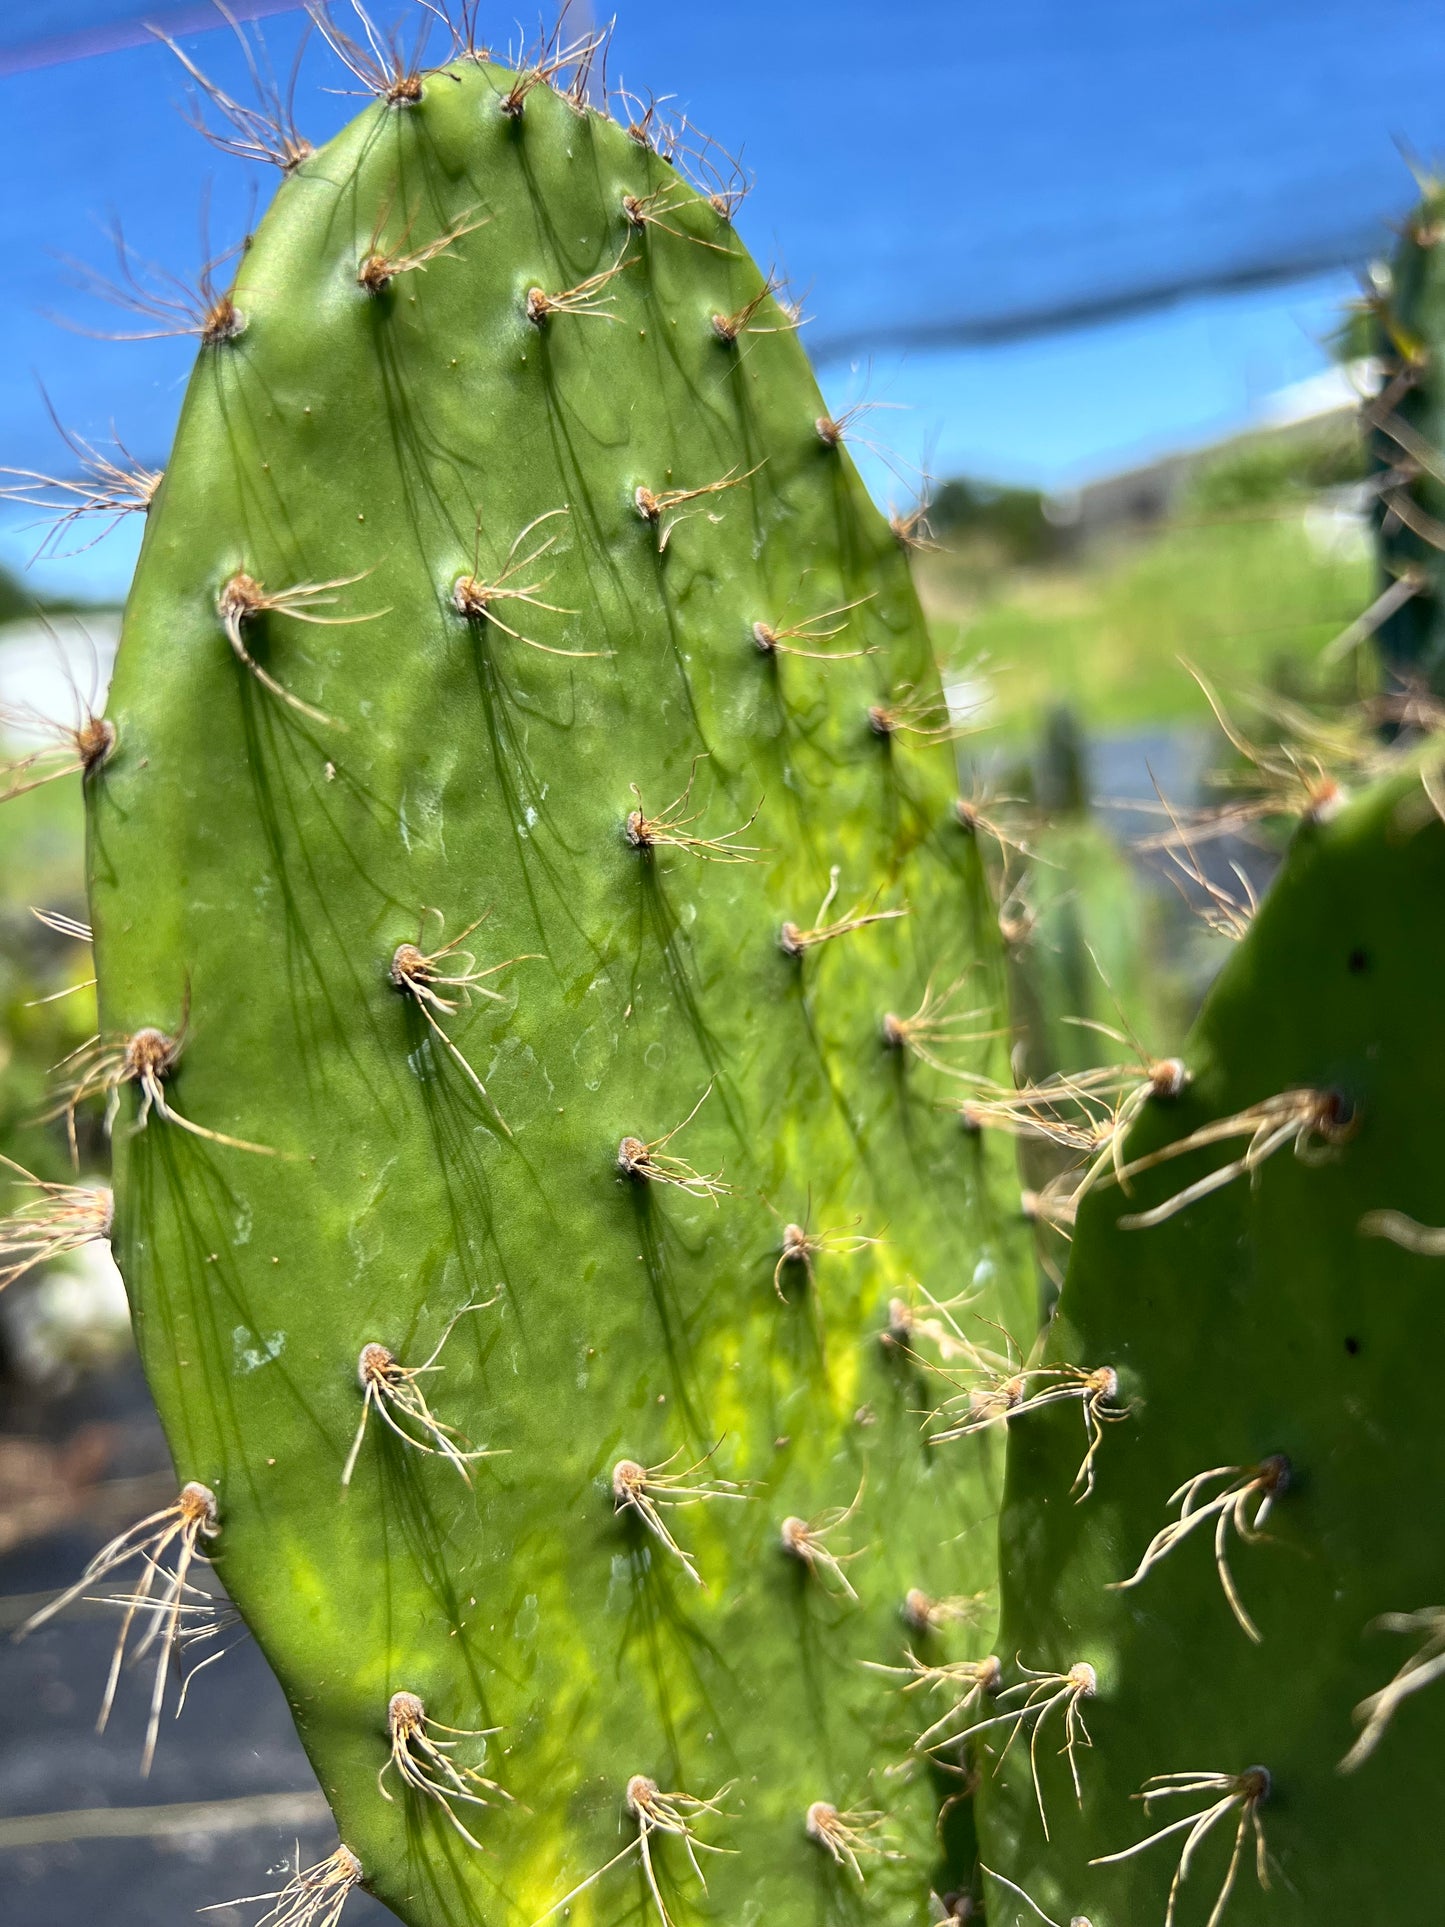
(936, 176)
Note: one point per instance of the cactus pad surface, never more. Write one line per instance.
(1275, 1355)
(510, 1207)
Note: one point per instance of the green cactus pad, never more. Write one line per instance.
(1260, 1334)
(348, 793)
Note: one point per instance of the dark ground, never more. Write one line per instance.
(232, 1764)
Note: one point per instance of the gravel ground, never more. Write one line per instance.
(83, 1838)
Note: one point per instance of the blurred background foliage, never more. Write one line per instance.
(1246, 562)
(47, 1008)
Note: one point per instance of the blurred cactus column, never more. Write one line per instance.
(1406, 427)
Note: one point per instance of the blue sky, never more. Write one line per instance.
(938, 173)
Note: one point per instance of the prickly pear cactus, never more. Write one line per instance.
(1406, 428)
(1216, 1620)
(530, 915)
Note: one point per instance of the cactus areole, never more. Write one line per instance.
(511, 1219)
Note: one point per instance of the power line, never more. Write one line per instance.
(114, 36)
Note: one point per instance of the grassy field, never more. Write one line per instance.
(41, 863)
(1249, 599)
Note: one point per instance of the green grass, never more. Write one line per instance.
(1248, 600)
(42, 848)
(41, 863)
